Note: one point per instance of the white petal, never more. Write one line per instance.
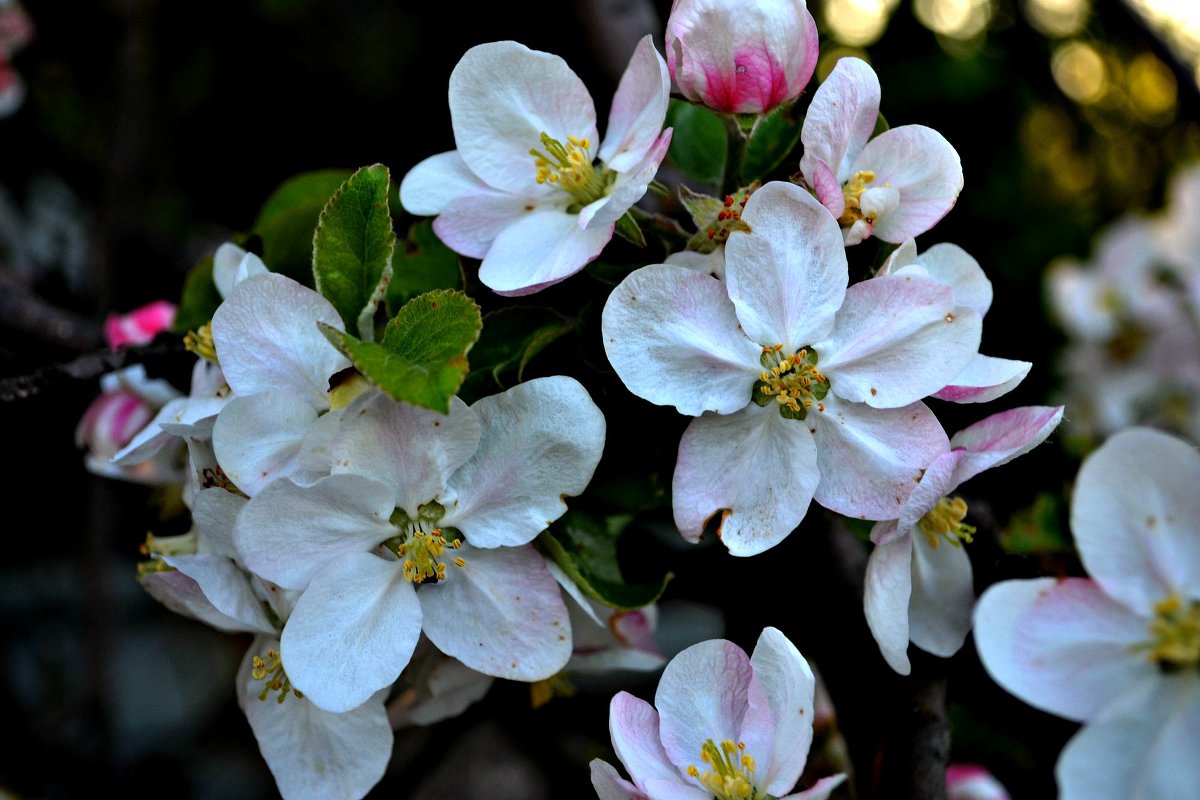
(609, 785)
(936, 482)
(628, 188)
(503, 97)
(788, 683)
(257, 438)
(633, 726)
(694, 707)
(453, 687)
(840, 118)
(214, 512)
(896, 339)
(943, 596)
(886, 593)
(638, 109)
(672, 336)
(925, 169)
(436, 182)
(501, 614)
(1134, 516)
(984, 379)
(755, 468)
(787, 277)
(540, 442)
(541, 248)
(352, 631)
(151, 439)
(181, 594)
(225, 264)
(953, 266)
(412, 450)
(227, 587)
(1061, 645)
(469, 225)
(819, 790)
(287, 534)
(709, 263)
(1002, 437)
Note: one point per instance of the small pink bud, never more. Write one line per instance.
(111, 422)
(973, 782)
(140, 325)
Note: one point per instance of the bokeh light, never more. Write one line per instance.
(956, 19)
(1080, 72)
(1058, 18)
(858, 22)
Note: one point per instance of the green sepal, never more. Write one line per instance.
(199, 299)
(702, 208)
(352, 248)
(861, 528)
(630, 231)
(586, 550)
(747, 123)
(787, 413)
(510, 339)
(421, 263)
(286, 222)
(774, 139)
(699, 142)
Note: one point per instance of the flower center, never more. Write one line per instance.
(852, 192)
(730, 774)
(945, 521)
(1176, 632)
(270, 671)
(200, 342)
(792, 381)
(422, 543)
(569, 168)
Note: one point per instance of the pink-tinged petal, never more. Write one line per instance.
(148, 441)
(1134, 516)
(503, 97)
(709, 263)
(704, 693)
(227, 587)
(214, 512)
(675, 790)
(923, 167)
(787, 277)
(672, 336)
(789, 684)
(936, 482)
(257, 438)
(1002, 437)
(412, 450)
(315, 754)
(828, 188)
(1063, 646)
(12, 89)
(287, 533)
(638, 109)
(352, 631)
(1142, 747)
(633, 725)
(541, 442)
(819, 790)
(112, 421)
(943, 595)
(870, 459)
(139, 326)
(609, 785)
(181, 594)
(267, 339)
(470, 224)
(905, 255)
(972, 782)
(628, 188)
(452, 688)
(840, 118)
(984, 379)
(754, 468)
(541, 248)
(953, 266)
(896, 339)
(501, 614)
(886, 593)
(433, 184)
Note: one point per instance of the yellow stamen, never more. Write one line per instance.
(794, 382)
(569, 168)
(1176, 635)
(945, 521)
(270, 670)
(852, 192)
(730, 776)
(200, 342)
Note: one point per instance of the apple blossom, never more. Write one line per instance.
(918, 584)
(722, 725)
(523, 191)
(741, 57)
(125, 412)
(973, 782)
(1119, 652)
(895, 186)
(139, 326)
(801, 387)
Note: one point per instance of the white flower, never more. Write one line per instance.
(722, 725)
(522, 191)
(1119, 652)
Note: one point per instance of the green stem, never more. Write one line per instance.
(735, 155)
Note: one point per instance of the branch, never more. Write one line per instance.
(86, 368)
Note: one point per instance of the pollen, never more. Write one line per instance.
(945, 521)
(1176, 635)
(852, 192)
(730, 773)
(270, 671)
(570, 168)
(200, 342)
(793, 381)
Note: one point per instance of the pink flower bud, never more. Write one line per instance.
(973, 782)
(16, 27)
(140, 325)
(741, 56)
(111, 422)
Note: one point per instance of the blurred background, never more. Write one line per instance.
(139, 135)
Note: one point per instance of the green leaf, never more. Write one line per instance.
(699, 142)
(288, 218)
(421, 263)
(511, 338)
(352, 248)
(200, 298)
(429, 387)
(1037, 529)
(774, 138)
(587, 551)
(630, 231)
(881, 126)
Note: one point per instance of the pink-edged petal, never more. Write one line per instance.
(953, 266)
(1142, 747)
(709, 263)
(923, 167)
(470, 224)
(819, 790)
(609, 785)
(943, 595)
(828, 189)
(638, 109)
(886, 593)
(1134, 516)
(984, 379)
(287, 533)
(181, 594)
(433, 184)
(352, 631)
(871, 458)
(503, 97)
(541, 248)
(540, 442)
(315, 754)
(693, 707)
(896, 339)
(633, 725)
(267, 338)
(257, 438)
(412, 450)
(1002, 437)
(787, 277)
(1063, 646)
(227, 587)
(840, 118)
(936, 482)
(788, 683)
(501, 614)
(672, 336)
(754, 468)
(628, 188)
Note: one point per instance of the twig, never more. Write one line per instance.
(85, 368)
